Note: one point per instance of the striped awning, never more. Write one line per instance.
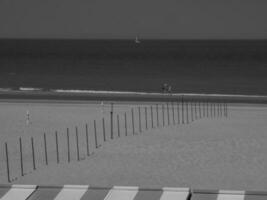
(85, 192)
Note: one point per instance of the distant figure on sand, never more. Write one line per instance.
(102, 107)
(28, 117)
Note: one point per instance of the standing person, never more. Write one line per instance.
(102, 107)
(28, 117)
(164, 87)
(169, 89)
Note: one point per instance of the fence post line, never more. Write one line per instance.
(7, 163)
(45, 148)
(133, 120)
(125, 123)
(118, 124)
(77, 143)
(111, 121)
(139, 113)
(104, 129)
(21, 157)
(173, 120)
(68, 144)
(152, 121)
(178, 113)
(57, 146)
(157, 110)
(168, 114)
(96, 144)
(87, 140)
(33, 155)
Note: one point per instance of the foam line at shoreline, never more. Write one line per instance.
(97, 95)
(141, 93)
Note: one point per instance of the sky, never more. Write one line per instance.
(152, 19)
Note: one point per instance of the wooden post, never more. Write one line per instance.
(182, 109)
(111, 122)
(152, 121)
(157, 110)
(207, 108)
(146, 117)
(218, 109)
(195, 105)
(163, 116)
(173, 120)
(96, 144)
(168, 114)
(221, 109)
(199, 107)
(7, 163)
(211, 113)
(118, 124)
(33, 155)
(139, 112)
(77, 144)
(224, 109)
(178, 113)
(21, 157)
(104, 130)
(214, 104)
(133, 120)
(45, 150)
(87, 140)
(187, 116)
(192, 111)
(211, 109)
(226, 105)
(203, 109)
(125, 123)
(57, 146)
(68, 144)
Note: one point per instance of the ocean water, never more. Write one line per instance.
(195, 66)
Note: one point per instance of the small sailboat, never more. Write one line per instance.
(137, 41)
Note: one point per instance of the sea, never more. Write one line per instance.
(187, 66)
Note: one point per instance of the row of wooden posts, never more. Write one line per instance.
(184, 109)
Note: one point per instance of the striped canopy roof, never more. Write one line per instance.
(83, 192)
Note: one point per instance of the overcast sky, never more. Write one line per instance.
(176, 19)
